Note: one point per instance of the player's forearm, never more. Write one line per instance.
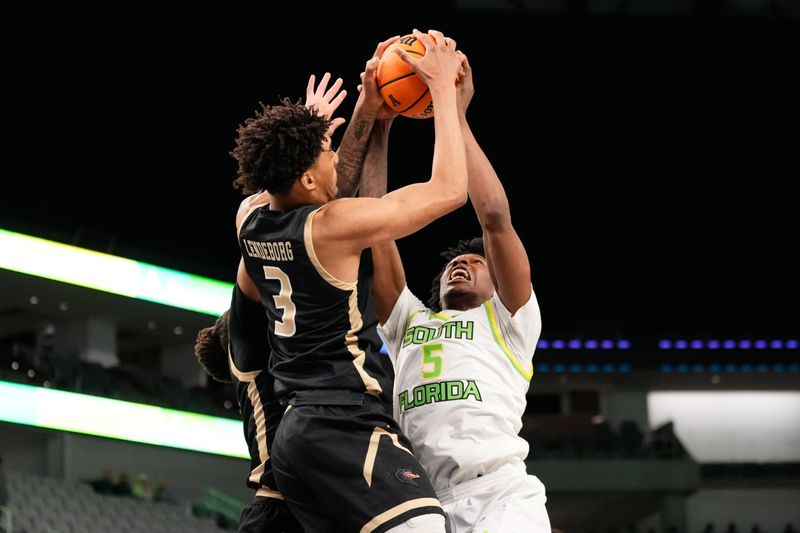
(486, 192)
(352, 150)
(449, 170)
(374, 176)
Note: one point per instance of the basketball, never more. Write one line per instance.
(401, 88)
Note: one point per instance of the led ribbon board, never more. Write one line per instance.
(117, 275)
(115, 419)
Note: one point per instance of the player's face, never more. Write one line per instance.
(466, 282)
(324, 171)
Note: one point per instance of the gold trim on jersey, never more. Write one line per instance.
(312, 255)
(259, 417)
(372, 451)
(250, 209)
(498, 338)
(351, 340)
(371, 384)
(269, 493)
(384, 517)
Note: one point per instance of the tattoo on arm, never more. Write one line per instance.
(361, 129)
(349, 170)
(351, 157)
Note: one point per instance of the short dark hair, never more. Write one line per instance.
(211, 349)
(274, 147)
(464, 246)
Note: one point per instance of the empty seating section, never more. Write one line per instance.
(48, 505)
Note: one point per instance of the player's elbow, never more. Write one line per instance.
(454, 198)
(495, 220)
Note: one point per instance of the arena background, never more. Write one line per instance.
(650, 154)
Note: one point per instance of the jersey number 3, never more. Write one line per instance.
(283, 300)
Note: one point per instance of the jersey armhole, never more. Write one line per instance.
(250, 210)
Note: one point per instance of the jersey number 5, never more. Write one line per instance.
(431, 364)
(283, 300)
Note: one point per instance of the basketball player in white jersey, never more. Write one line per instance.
(463, 361)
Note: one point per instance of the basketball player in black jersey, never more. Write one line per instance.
(338, 456)
(233, 351)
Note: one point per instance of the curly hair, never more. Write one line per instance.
(464, 246)
(276, 146)
(211, 349)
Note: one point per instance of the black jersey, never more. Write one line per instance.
(248, 357)
(322, 331)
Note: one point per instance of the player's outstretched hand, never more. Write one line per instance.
(326, 100)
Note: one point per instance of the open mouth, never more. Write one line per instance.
(459, 274)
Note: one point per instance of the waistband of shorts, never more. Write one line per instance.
(328, 397)
(480, 483)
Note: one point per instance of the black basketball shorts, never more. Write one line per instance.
(343, 466)
(268, 515)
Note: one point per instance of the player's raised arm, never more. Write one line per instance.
(508, 261)
(352, 148)
(410, 208)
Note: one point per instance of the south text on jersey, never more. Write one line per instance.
(450, 330)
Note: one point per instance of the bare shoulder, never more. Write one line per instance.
(338, 219)
(250, 203)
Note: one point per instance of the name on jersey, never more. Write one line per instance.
(448, 330)
(274, 251)
(441, 391)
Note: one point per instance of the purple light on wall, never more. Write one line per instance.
(543, 344)
(623, 344)
(681, 344)
(574, 344)
(696, 344)
(606, 344)
(777, 344)
(590, 344)
(791, 344)
(760, 344)
(745, 344)
(557, 344)
(665, 344)
(729, 344)
(712, 344)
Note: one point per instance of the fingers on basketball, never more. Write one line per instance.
(402, 90)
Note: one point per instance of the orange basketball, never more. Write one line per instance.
(401, 88)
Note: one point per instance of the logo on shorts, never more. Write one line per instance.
(407, 476)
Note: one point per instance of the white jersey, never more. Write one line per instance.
(460, 383)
